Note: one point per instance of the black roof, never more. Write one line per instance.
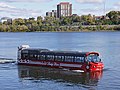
(37, 50)
(58, 53)
(67, 53)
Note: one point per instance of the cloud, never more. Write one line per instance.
(90, 1)
(116, 7)
(30, 1)
(117, 4)
(24, 12)
(93, 11)
(96, 9)
(12, 11)
(4, 5)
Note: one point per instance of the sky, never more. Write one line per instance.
(34, 8)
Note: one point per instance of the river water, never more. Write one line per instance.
(13, 77)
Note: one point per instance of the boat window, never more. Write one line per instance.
(59, 58)
(42, 57)
(24, 54)
(38, 57)
(69, 58)
(50, 57)
(33, 56)
(79, 59)
(93, 58)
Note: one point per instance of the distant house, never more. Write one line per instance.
(100, 17)
(7, 19)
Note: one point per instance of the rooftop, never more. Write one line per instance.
(63, 3)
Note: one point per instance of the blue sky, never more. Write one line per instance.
(34, 8)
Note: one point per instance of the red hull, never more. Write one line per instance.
(67, 65)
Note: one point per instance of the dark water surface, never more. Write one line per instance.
(13, 77)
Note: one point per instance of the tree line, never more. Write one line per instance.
(110, 21)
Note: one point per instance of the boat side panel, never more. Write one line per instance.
(54, 64)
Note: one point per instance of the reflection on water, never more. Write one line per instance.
(59, 75)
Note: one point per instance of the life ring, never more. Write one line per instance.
(87, 67)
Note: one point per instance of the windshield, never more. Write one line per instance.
(93, 58)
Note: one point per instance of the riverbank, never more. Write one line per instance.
(102, 27)
(81, 28)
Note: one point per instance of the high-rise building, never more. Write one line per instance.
(52, 14)
(48, 14)
(64, 9)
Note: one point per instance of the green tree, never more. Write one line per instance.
(22, 28)
(39, 20)
(114, 16)
(18, 21)
(87, 20)
(66, 21)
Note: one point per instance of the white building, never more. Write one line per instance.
(7, 19)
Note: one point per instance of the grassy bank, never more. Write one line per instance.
(82, 28)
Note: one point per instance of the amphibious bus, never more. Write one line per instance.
(72, 60)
